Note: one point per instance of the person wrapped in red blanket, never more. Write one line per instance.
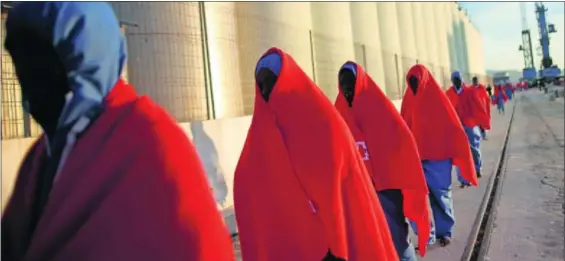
(390, 154)
(113, 177)
(472, 112)
(499, 98)
(301, 191)
(485, 98)
(441, 143)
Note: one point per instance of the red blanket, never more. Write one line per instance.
(300, 187)
(388, 147)
(132, 188)
(471, 110)
(435, 124)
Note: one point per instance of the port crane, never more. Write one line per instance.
(548, 71)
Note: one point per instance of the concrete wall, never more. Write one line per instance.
(406, 22)
(441, 21)
(431, 37)
(332, 42)
(226, 92)
(366, 30)
(419, 21)
(165, 55)
(390, 42)
(219, 144)
(262, 25)
(449, 10)
(462, 46)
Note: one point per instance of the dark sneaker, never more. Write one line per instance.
(444, 241)
(479, 174)
(464, 185)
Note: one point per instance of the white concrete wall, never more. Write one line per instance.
(471, 44)
(366, 31)
(420, 21)
(165, 57)
(223, 54)
(219, 144)
(431, 38)
(441, 22)
(332, 41)
(406, 21)
(390, 42)
(262, 25)
(461, 42)
(449, 9)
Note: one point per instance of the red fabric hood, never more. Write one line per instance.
(435, 124)
(300, 186)
(388, 147)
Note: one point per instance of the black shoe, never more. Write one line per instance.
(444, 241)
(463, 185)
(479, 174)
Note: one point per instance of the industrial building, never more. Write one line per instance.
(197, 59)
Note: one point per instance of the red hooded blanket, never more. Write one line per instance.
(300, 187)
(132, 188)
(435, 125)
(499, 90)
(388, 147)
(453, 96)
(476, 107)
(483, 95)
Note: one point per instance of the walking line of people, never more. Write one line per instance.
(114, 177)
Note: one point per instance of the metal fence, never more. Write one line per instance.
(319, 55)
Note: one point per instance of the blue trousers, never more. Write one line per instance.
(500, 104)
(392, 204)
(509, 94)
(474, 137)
(438, 177)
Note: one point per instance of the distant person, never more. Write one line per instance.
(509, 90)
(441, 143)
(472, 112)
(499, 98)
(390, 154)
(454, 93)
(113, 177)
(485, 100)
(489, 90)
(519, 86)
(301, 191)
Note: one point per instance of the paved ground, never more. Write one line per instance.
(467, 201)
(529, 223)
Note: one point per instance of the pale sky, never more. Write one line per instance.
(500, 24)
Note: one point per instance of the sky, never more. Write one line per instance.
(500, 24)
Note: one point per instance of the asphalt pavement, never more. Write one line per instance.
(529, 221)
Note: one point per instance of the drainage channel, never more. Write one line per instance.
(479, 239)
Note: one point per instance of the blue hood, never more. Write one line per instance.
(456, 74)
(87, 38)
(350, 66)
(272, 61)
